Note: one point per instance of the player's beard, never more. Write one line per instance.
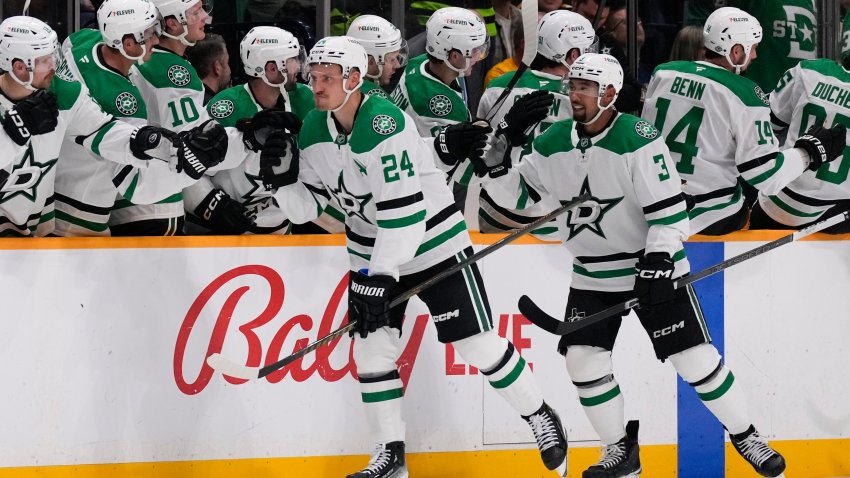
(579, 112)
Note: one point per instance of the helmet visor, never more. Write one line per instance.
(585, 88)
(201, 11)
(480, 52)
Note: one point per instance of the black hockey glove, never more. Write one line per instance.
(4, 176)
(256, 130)
(223, 215)
(279, 161)
(654, 279)
(524, 116)
(150, 142)
(369, 302)
(460, 141)
(823, 144)
(36, 114)
(201, 148)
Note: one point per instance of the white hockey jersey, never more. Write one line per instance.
(87, 185)
(813, 92)
(717, 126)
(492, 217)
(433, 105)
(400, 215)
(27, 201)
(636, 205)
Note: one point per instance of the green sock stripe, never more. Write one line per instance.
(382, 396)
(599, 399)
(511, 377)
(719, 391)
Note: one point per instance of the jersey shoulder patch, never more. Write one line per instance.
(168, 70)
(432, 98)
(628, 134)
(231, 105)
(557, 138)
(377, 120)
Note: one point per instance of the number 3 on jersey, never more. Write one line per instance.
(391, 166)
(689, 126)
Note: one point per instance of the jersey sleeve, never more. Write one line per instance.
(757, 154)
(399, 201)
(784, 98)
(658, 189)
(522, 187)
(150, 184)
(306, 199)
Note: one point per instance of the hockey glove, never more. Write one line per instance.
(654, 279)
(150, 142)
(223, 215)
(33, 115)
(369, 302)
(524, 116)
(256, 130)
(823, 144)
(460, 141)
(279, 161)
(4, 177)
(201, 148)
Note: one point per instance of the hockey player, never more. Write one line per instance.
(429, 91)
(87, 186)
(717, 126)
(39, 109)
(236, 198)
(386, 48)
(626, 242)
(402, 228)
(813, 92)
(562, 37)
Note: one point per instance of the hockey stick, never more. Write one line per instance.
(529, 33)
(228, 367)
(550, 324)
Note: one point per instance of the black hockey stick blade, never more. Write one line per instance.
(538, 317)
(228, 367)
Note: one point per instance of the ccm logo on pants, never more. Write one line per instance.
(668, 330)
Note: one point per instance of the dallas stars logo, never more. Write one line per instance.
(646, 130)
(179, 75)
(763, 97)
(384, 125)
(26, 177)
(127, 104)
(222, 109)
(589, 215)
(440, 105)
(351, 203)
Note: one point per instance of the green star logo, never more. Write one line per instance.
(222, 109)
(440, 105)
(588, 216)
(384, 125)
(646, 130)
(25, 177)
(179, 75)
(126, 103)
(352, 204)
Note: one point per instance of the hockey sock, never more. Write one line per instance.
(702, 368)
(505, 369)
(382, 395)
(599, 393)
(381, 388)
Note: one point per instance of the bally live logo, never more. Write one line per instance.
(232, 324)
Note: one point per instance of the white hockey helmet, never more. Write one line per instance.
(730, 26)
(27, 39)
(602, 69)
(117, 18)
(264, 44)
(378, 37)
(454, 28)
(178, 9)
(345, 52)
(560, 31)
